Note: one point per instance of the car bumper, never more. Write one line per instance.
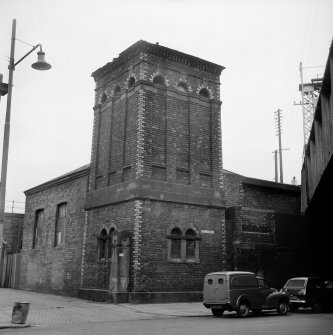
(296, 301)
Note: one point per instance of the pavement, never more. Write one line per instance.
(47, 310)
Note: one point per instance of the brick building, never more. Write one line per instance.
(51, 253)
(265, 231)
(153, 212)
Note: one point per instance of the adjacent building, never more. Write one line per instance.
(317, 177)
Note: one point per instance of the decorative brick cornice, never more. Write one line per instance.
(142, 48)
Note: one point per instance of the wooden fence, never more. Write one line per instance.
(10, 276)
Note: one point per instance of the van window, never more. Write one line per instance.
(220, 281)
(210, 281)
(244, 281)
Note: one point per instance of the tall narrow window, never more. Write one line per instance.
(102, 249)
(116, 90)
(175, 237)
(60, 224)
(109, 242)
(37, 238)
(190, 236)
(104, 98)
(131, 82)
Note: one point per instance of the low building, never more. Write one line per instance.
(51, 256)
(265, 232)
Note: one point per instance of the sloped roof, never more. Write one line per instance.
(81, 171)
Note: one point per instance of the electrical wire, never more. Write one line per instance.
(24, 42)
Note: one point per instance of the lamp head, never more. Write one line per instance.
(41, 64)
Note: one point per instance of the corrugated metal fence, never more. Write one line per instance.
(10, 277)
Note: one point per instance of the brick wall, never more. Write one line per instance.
(156, 273)
(233, 188)
(96, 272)
(284, 201)
(261, 221)
(47, 267)
(263, 194)
(150, 222)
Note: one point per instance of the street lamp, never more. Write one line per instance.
(41, 64)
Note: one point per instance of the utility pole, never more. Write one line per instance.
(276, 166)
(275, 152)
(278, 119)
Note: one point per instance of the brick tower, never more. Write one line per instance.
(156, 174)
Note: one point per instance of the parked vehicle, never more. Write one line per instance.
(314, 292)
(241, 292)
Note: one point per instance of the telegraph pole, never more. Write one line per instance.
(275, 152)
(276, 166)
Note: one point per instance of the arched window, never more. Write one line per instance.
(183, 247)
(159, 80)
(204, 93)
(116, 90)
(103, 98)
(37, 237)
(190, 236)
(102, 244)
(175, 247)
(181, 87)
(131, 81)
(109, 242)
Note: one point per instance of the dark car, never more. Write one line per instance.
(241, 292)
(314, 292)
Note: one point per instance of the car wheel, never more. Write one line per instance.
(217, 312)
(317, 306)
(282, 307)
(243, 310)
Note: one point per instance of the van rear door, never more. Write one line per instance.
(215, 288)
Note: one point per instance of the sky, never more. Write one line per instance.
(259, 42)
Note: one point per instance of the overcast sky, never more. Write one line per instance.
(261, 44)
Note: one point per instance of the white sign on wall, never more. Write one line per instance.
(207, 231)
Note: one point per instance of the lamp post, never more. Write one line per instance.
(41, 64)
